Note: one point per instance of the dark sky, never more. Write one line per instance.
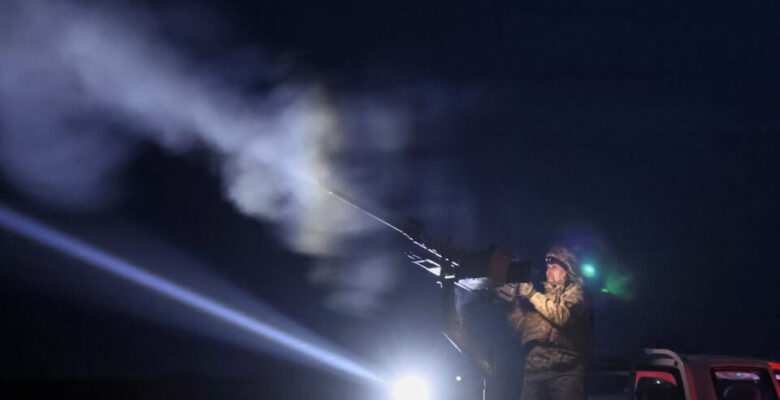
(644, 134)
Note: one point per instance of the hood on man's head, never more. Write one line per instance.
(567, 258)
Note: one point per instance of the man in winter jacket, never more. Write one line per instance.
(555, 330)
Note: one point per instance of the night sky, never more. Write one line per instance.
(644, 135)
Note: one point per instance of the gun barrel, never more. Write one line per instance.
(416, 239)
(354, 204)
(469, 264)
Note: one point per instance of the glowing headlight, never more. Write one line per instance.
(410, 387)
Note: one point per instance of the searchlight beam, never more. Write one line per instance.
(60, 241)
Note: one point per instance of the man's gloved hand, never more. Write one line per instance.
(526, 290)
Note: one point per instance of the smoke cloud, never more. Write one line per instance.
(81, 89)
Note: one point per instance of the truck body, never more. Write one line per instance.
(663, 374)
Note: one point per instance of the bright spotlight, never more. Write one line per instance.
(410, 387)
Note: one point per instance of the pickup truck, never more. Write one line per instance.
(663, 374)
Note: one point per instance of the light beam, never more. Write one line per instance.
(106, 262)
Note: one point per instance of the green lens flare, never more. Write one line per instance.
(619, 285)
(588, 270)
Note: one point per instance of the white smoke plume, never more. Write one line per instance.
(81, 87)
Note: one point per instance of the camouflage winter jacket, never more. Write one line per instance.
(560, 323)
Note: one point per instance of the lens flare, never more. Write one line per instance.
(619, 285)
(588, 270)
(106, 262)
